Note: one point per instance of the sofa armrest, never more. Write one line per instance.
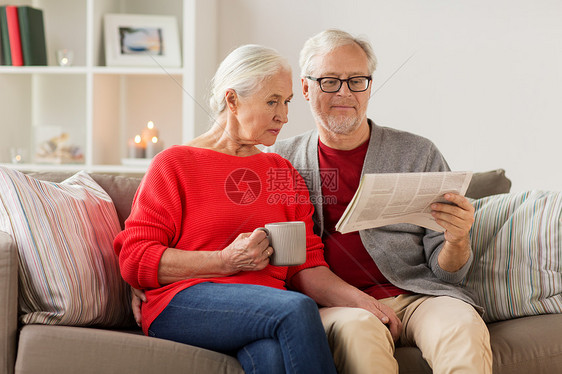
(8, 302)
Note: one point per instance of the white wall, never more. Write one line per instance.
(484, 82)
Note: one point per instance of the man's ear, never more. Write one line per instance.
(231, 99)
(305, 87)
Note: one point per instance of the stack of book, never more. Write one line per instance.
(22, 36)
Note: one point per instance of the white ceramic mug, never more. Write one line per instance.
(288, 240)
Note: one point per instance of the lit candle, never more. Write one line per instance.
(136, 147)
(149, 132)
(153, 147)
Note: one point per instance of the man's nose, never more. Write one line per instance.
(344, 89)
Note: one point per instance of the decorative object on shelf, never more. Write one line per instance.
(56, 149)
(22, 36)
(10, 27)
(136, 147)
(149, 132)
(153, 147)
(141, 40)
(151, 139)
(65, 57)
(18, 155)
(143, 147)
(32, 30)
(5, 55)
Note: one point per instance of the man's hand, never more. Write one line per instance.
(387, 316)
(137, 298)
(457, 219)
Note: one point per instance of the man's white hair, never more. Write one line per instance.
(328, 40)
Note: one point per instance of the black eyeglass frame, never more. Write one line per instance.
(319, 80)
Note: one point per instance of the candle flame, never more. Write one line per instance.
(137, 139)
(150, 125)
(155, 139)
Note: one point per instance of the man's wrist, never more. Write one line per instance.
(454, 256)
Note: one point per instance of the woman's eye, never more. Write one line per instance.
(271, 103)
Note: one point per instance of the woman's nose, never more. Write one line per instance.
(283, 114)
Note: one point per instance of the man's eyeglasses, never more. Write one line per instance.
(331, 85)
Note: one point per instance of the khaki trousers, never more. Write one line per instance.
(449, 332)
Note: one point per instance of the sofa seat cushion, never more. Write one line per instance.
(66, 349)
(411, 361)
(519, 346)
(527, 345)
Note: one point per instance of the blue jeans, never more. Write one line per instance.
(269, 330)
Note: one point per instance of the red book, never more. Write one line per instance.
(14, 34)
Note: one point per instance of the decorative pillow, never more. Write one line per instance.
(68, 271)
(517, 244)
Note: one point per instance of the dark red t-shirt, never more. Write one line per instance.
(341, 172)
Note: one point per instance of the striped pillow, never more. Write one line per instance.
(68, 272)
(517, 244)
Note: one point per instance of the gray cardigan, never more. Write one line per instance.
(405, 254)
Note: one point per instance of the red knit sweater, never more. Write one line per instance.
(200, 200)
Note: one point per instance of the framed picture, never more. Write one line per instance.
(141, 40)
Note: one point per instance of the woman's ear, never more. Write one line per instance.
(231, 99)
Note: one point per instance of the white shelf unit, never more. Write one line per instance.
(101, 107)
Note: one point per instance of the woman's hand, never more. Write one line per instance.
(137, 298)
(248, 252)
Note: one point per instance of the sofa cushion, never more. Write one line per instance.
(64, 232)
(121, 189)
(62, 349)
(527, 345)
(517, 244)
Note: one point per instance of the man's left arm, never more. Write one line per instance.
(457, 219)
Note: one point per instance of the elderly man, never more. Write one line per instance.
(409, 273)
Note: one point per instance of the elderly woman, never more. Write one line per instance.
(191, 241)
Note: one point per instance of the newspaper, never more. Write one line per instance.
(386, 199)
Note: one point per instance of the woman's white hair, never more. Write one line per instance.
(328, 40)
(242, 71)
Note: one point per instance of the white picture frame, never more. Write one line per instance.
(141, 40)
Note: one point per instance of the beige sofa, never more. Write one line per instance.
(523, 345)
